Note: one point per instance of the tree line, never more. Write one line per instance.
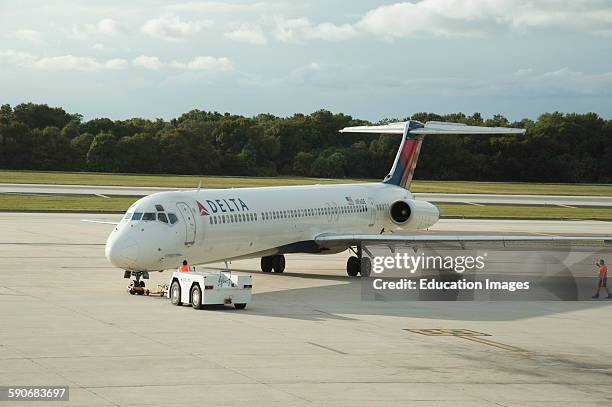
(557, 147)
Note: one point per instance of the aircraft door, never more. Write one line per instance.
(190, 225)
(372, 212)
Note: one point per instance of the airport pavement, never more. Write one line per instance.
(488, 199)
(307, 339)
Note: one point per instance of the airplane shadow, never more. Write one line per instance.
(344, 301)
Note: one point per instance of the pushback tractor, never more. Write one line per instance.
(200, 288)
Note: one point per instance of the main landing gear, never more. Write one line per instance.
(358, 264)
(276, 263)
(136, 286)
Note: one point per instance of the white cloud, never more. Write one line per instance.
(108, 26)
(299, 29)
(30, 36)
(171, 27)
(105, 27)
(206, 63)
(249, 34)
(476, 17)
(17, 58)
(568, 81)
(88, 64)
(74, 63)
(62, 62)
(524, 72)
(147, 62)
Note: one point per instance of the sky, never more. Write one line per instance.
(369, 59)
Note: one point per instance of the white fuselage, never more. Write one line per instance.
(211, 225)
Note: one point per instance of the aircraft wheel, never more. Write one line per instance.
(196, 297)
(366, 267)
(266, 264)
(175, 293)
(352, 266)
(240, 306)
(279, 264)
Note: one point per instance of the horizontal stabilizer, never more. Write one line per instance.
(432, 127)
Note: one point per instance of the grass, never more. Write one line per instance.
(98, 204)
(21, 203)
(511, 188)
(524, 212)
(180, 181)
(169, 181)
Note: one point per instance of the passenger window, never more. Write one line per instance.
(148, 216)
(173, 218)
(162, 217)
(137, 216)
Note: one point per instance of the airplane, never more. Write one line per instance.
(203, 226)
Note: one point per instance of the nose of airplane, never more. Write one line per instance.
(122, 252)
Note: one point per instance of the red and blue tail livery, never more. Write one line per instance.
(407, 156)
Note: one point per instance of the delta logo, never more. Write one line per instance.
(202, 209)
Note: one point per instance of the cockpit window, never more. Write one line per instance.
(137, 216)
(173, 218)
(162, 217)
(159, 208)
(128, 215)
(148, 216)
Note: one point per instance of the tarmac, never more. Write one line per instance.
(307, 339)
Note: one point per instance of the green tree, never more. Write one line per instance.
(51, 150)
(102, 155)
(37, 116)
(15, 146)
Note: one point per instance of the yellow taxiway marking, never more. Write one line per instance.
(470, 336)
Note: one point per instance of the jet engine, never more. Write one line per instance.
(412, 215)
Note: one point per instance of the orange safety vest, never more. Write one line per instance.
(184, 269)
(603, 271)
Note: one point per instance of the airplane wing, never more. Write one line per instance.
(431, 127)
(352, 239)
(99, 221)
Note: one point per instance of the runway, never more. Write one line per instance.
(308, 339)
(484, 199)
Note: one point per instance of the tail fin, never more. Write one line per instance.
(412, 133)
(406, 159)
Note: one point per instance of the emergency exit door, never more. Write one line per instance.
(190, 225)
(371, 208)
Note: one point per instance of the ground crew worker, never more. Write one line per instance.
(603, 278)
(185, 267)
